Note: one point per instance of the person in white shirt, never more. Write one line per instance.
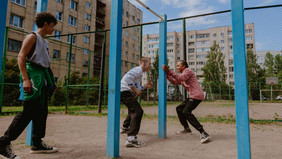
(130, 88)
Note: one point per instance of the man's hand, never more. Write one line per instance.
(165, 68)
(27, 86)
(137, 92)
(149, 85)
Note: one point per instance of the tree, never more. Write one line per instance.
(269, 64)
(214, 70)
(278, 67)
(255, 75)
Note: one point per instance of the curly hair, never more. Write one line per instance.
(43, 17)
(184, 63)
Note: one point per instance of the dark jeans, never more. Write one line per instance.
(184, 112)
(32, 110)
(135, 113)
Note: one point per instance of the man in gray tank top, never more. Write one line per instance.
(34, 64)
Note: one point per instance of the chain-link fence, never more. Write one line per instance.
(77, 62)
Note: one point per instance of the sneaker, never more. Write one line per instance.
(204, 137)
(134, 143)
(185, 131)
(7, 153)
(43, 148)
(123, 130)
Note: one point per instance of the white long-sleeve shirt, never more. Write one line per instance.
(132, 78)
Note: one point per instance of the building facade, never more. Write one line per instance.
(198, 45)
(131, 36)
(73, 17)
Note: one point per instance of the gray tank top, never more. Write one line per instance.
(41, 52)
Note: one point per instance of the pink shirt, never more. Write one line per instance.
(189, 81)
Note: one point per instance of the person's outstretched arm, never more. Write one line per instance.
(169, 77)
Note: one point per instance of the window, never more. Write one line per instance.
(35, 6)
(170, 38)
(133, 18)
(85, 63)
(230, 61)
(87, 16)
(14, 45)
(133, 36)
(56, 54)
(73, 39)
(87, 28)
(222, 41)
(73, 5)
(191, 50)
(230, 47)
(84, 74)
(133, 56)
(229, 33)
(203, 49)
(191, 43)
(250, 46)
(126, 23)
(178, 39)
(202, 56)
(231, 76)
(249, 38)
(198, 36)
(169, 44)
(72, 57)
(88, 5)
(191, 37)
(125, 63)
(86, 39)
(222, 48)
(137, 57)
(60, 1)
(126, 43)
(126, 33)
(127, 15)
(57, 34)
(133, 46)
(231, 83)
(231, 69)
(138, 21)
(230, 40)
(191, 57)
(19, 2)
(16, 21)
(126, 53)
(59, 16)
(214, 35)
(72, 21)
(248, 31)
(85, 51)
(222, 34)
(191, 63)
(178, 58)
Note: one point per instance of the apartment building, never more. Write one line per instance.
(73, 17)
(131, 36)
(198, 44)
(261, 56)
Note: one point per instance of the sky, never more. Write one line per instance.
(267, 22)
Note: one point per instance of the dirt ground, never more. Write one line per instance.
(85, 137)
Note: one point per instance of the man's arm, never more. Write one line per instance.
(28, 43)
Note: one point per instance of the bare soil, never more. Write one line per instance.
(85, 137)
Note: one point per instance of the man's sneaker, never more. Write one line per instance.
(7, 153)
(123, 130)
(185, 131)
(134, 143)
(43, 148)
(204, 137)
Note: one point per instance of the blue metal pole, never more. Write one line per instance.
(241, 86)
(162, 77)
(114, 79)
(41, 7)
(3, 15)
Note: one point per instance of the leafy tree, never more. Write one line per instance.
(214, 70)
(278, 67)
(255, 75)
(11, 89)
(269, 64)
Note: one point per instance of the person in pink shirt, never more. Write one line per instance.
(184, 111)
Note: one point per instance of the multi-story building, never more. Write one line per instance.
(261, 56)
(73, 17)
(198, 44)
(131, 37)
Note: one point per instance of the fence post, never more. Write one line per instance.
(102, 74)
(219, 91)
(184, 54)
(241, 88)
(68, 76)
(88, 78)
(2, 76)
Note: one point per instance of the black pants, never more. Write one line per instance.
(32, 110)
(184, 112)
(135, 113)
